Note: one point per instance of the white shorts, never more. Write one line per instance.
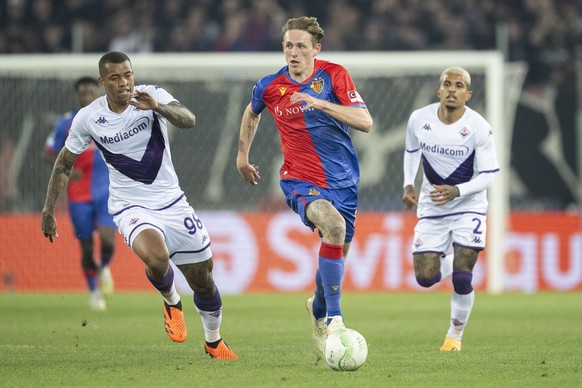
(186, 237)
(437, 234)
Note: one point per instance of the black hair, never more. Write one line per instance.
(85, 80)
(112, 57)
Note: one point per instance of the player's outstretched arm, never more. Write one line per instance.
(177, 114)
(248, 129)
(174, 112)
(354, 117)
(58, 181)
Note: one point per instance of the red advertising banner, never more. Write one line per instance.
(275, 252)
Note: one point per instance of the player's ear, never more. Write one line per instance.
(316, 49)
(438, 93)
(468, 95)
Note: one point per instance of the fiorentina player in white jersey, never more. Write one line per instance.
(455, 145)
(128, 125)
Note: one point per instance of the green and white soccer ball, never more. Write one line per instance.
(345, 349)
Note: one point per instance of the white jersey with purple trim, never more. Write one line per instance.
(135, 147)
(451, 154)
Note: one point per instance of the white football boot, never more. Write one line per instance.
(319, 328)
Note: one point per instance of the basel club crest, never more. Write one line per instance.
(317, 85)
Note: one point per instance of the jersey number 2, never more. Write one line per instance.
(477, 229)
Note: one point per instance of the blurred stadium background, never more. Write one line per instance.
(208, 54)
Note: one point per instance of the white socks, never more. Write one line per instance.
(171, 296)
(211, 321)
(446, 266)
(461, 306)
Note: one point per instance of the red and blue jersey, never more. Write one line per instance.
(316, 147)
(94, 181)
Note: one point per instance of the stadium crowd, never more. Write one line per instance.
(534, 28)
(546, 34)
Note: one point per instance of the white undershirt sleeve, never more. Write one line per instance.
(411, 163)
(479, 183)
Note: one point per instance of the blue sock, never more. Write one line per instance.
(91, 278)
(106, 255)
(319, 309)
(331, 269)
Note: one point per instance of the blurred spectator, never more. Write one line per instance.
(263, 28)
(128, 36)
(54, 39)
(196, 33)
(234, 20)
(344, 20)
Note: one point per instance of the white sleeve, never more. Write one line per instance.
(412, 155)
(486, 161)
(479, 183)
(78, 139)
(159, 94)
(411, 163)
(485, 153)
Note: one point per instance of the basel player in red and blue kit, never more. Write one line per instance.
(313, 102)
(87, 193)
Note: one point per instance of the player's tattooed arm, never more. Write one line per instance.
(174, 112)
(62, 170)
(177, 114)
(248, 136)
(248, 129)
(58, 182)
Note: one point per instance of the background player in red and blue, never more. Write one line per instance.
(87, 194)
(313, 102)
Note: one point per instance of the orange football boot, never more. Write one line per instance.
(175, 324)
(451, 345)
(221, 352)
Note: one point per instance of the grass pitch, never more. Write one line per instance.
(512, 340)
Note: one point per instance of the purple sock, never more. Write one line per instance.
(214, 303)
(166, 283)
(429, 282)
(462, 282)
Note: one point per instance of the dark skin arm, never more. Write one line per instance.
(57, 183)
(441, 194)
(76, 174)
(174, 112)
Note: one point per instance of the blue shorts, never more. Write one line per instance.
(298, 194)
(86, 216)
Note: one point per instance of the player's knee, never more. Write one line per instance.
(462, 282)
(428, 282)
(203, 285)
(199, 277)
(336, 231)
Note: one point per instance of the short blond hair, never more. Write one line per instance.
(305, 23)
(459, 71)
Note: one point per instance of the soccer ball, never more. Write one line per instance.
(345, 349)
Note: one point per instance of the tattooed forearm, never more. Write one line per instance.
(59, 178)
(248, 130)
(177, 114)
(250, 135)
